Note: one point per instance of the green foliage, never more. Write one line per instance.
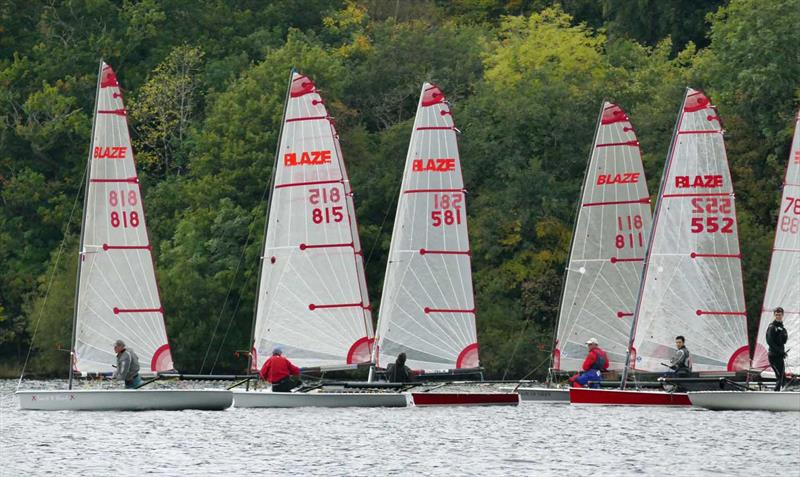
(205, 82)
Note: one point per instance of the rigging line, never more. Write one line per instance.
(52, 278)
(228, 328)
(520, 335)
(389, 208)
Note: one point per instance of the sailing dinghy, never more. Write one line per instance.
(692, 278)
(608, 245)
(428, 307)
(117, 296)
(312, 295)
(782, 290)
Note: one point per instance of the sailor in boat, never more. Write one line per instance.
(278, 371)
(398, 372)
(681, 362)
(594, 365)
(127, 366)
(776, 339)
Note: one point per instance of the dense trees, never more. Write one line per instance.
(205, 80)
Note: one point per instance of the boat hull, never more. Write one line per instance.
(746, 400)
(125, 400)
(465, 399)
(543, 395)
(618, 397)
(269, 399)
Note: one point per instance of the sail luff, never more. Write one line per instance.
(782, 288)
(604, 268)
(252, 358)
(83, 225)
(428, 306)
(692, 283)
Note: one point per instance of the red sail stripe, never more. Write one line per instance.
(118, 112)
(622, 314)
(715, 255)
(117, 311)
(644, 200)
(307, 118)
(422, 191)
(435, 128)
(615, 260)
(298, 184)
(703, 312)
(699, 194)
(710, 131)
(129, 180)
(786, 249)
(428, 310)
(126, 247)
(423, 251)
(304, 246)
(626, 143)
(313, 307)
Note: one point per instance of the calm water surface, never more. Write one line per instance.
(532, 439)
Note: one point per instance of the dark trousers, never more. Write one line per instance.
(284, 385)
(776, 361)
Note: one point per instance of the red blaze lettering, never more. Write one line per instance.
(707, 181)
(434, 165)
(312, 158)
(110, 152)
(625, 178)
(797, 157)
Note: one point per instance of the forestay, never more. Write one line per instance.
(608, 247)
(117, 292)
(692, 282)
(312, 297)
(428, 308)
(783, 287)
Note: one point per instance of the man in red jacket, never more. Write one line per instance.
(595, 363)
(278, 371)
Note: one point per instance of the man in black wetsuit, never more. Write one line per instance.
(776, 339)
(398, 372)
(681, 362)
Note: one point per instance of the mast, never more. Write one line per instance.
(670, 153)
(252, 361)
(83, 226)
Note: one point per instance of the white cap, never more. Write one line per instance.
(592, 341)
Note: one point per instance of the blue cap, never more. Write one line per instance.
(277, 350)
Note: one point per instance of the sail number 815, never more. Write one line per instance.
(325, 215)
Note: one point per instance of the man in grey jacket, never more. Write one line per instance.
(681, 362)
(127, 366)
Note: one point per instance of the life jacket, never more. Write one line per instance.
(600, 360)
(685, 361)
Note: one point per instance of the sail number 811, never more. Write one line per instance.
(446, 209)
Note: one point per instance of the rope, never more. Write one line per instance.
(52, 277)
(228, 328)
(385, 216)
(521, 334)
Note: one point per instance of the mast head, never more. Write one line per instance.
(431, 94)
(108, 77)
(695, 101)
(301, 85)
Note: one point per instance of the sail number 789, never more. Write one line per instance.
(787, 222)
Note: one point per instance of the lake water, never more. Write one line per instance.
(532, 439)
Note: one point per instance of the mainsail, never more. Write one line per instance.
(692, 283)
(312, 296)
(117, 292)
(608, 247)
(428, 307)
(783, 287)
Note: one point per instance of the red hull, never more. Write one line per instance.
(465, 399)
(615, 397)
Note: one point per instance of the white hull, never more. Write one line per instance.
(746, 400)
(125, 400)
(318, 399)
(541, 394)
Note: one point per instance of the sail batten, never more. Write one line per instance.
(428, 308)
(692, 281)
(608, 245)
(118, 295)
(312, 299)
(783, 289)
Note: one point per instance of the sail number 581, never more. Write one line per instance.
(446, 209)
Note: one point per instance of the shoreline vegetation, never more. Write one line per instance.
(204, 84)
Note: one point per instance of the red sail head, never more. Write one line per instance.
(695, 102)
(613, 114)
(108, 78)
(301, 86)
(432, 95)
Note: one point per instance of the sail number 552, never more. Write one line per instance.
(712, 220)
(446, 209)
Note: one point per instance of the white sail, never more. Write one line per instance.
(428, 309)
(692, 283)
(608, 247)
(117, 296)
(783, 287)
(312, 298)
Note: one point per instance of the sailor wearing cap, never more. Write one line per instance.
(595, 363)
